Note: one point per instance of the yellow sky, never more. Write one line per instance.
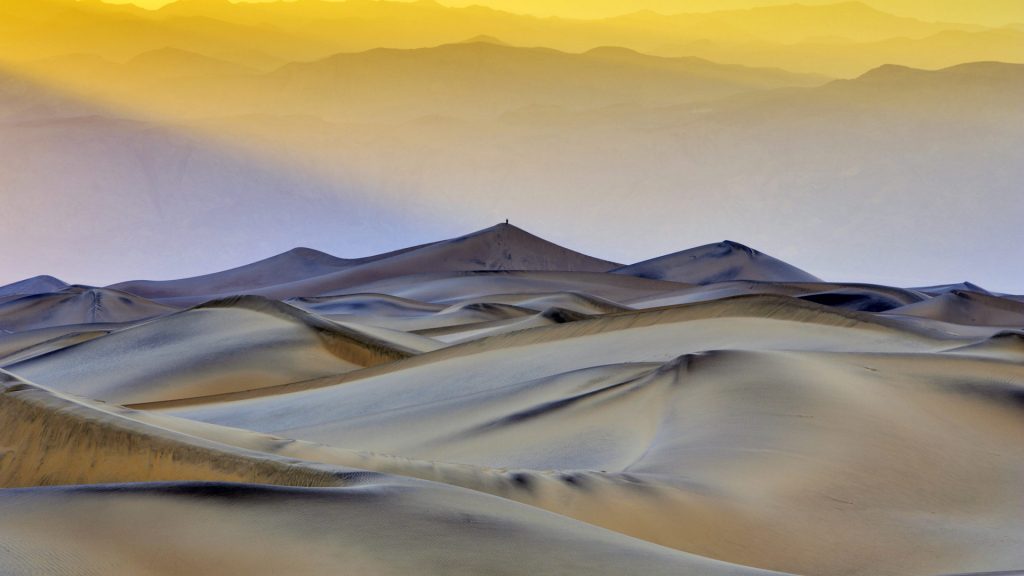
(989, 12)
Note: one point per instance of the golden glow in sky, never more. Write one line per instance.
(987, 12)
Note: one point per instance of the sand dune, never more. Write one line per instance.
(714, 263)
(863, 298)
(466, 332)
(965, 307)
(854, 297)
(76, 305)
(477, 286)
(230, 345)
(18, 346)
(296, 264)
(437, 521)
(35, 285)
(741, 439)
(438, 409)
(1002, 346)
(944, 288)
(389, 528)
(576, 301)
(501, 247)
(658, 335)
(498, 248)
(371, 305)
(500, 311)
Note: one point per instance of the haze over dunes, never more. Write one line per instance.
(496, 403)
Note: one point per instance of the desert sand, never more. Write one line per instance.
(499, 404)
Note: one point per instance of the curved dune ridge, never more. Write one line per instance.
(223, 346)
(292, 265)
(498, 404)
(75, 305)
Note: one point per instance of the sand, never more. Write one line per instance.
(495, 404)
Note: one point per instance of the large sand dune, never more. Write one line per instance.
(76, 305)
(717, 263)
(231, 345)
(498, 404)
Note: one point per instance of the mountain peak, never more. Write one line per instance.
(980, 71)
(889, 71)
(485, 39)
(173, 59)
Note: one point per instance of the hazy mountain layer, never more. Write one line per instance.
(852, 160)
(266, 35)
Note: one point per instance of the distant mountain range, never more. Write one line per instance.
(892, 142)
(840, 39)
(477, 79)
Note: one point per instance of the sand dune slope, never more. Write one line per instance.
(19, 346)
(386, 527)
(500, 247)
(34, 285)
(223, 346)
(752, 457)
(717, 263)
(366, 522)
(293, 265)
(657, 335)
(966, 307)
(461, 286)
(76, 305)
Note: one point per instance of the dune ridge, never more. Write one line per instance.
(248, 342)
(752, 419)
